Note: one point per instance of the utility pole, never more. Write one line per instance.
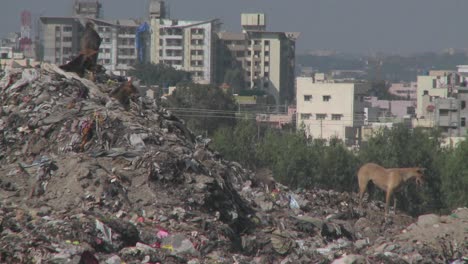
(321, 128)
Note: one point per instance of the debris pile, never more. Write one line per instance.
(95, 173)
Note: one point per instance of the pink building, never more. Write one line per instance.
(277, 120)
(392, 108)
(406, 90)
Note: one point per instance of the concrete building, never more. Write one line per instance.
(406, 90)
(60, 37)
(327, 109)
(60, 40)
(398, 109)
(88, 9)
(451, 114)
(267, 58)
(186, 45)
(436, 84)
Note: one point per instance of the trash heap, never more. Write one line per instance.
(86, 177)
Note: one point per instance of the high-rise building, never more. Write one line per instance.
(267, 58)
(185, 45)
(89, 9)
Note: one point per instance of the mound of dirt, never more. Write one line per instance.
(85, 179)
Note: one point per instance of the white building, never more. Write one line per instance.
(326, 109)
(60, 40)
(267, 58)
(185, 45)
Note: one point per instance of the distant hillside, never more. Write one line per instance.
(392, 67)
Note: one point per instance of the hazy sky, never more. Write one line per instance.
(396, 26)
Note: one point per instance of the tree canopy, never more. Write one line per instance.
(204, 107)
(159, 74)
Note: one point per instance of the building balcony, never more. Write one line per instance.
(196, 57)
(198, 36)
(448, 105)
(126, 56)
(447, 121)
(171, 36)
(126, 35)
(255, 47)
(173, 47)
(104, 56)
(121, 46)
(171, 58)
(234, 47)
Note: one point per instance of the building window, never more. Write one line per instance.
(57, 28)
(107, 40)
(443, 112)
(320, 116)
(266, 74)
(336, 116)
(463, 105)
(107, 61)
(67, 29)
(307, 98)
(267, 43)
(326, 98)
(463, 122)
(306, 116)
(67, 39)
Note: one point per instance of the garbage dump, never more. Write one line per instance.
(93, 172)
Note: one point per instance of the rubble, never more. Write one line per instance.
(87, 176)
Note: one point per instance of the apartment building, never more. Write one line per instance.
(266, 58)
(327, 109)
(451, 114)
(60, 40)
(436, 84)
(405, 90)
(88, 9)
(185, 45)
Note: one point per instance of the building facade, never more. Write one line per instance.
(451, 114)
(185, 45)
(326, 109)
(434, 85)
(267, 58)
(405, 90)
(60, 39)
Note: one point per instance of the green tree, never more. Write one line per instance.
(288, 156)
(235, 79)
(454, 175)
(337, 166)
(404, 147)
(204, 107)
(159, 74)
(238, 144)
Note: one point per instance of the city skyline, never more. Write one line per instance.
(356, 26)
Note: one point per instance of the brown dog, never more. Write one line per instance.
(389, 180)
